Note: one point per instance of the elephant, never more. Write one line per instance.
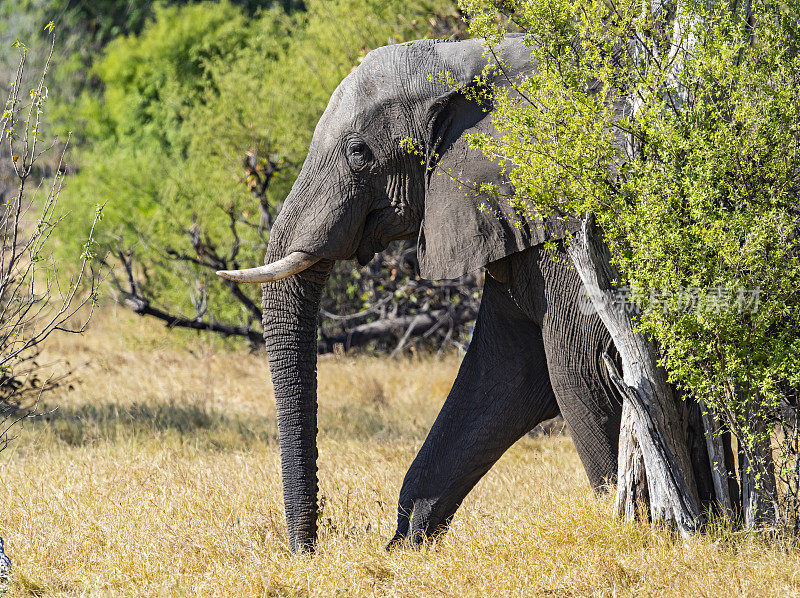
(534, 352)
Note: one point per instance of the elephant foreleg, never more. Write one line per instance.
(501, 392)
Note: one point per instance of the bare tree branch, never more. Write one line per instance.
(35, 300)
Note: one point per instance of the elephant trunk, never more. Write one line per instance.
(290, 333)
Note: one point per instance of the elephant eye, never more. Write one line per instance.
(358, 154)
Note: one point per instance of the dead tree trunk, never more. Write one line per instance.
(759, 491)
(726, 493)
(647, 399)
(632, 497)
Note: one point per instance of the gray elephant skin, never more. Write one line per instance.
(533, 354)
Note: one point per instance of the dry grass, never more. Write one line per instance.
(158, 476)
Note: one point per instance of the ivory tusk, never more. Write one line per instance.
(295, 262)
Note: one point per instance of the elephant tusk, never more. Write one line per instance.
(295, 262)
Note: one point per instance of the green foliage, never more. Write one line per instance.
(152, 81)
(683, 141)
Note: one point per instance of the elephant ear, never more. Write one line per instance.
(464, 228)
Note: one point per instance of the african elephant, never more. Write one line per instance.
(533, 352)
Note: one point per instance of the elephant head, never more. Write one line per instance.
(358, 190)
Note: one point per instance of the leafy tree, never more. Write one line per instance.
(84, 28)
(675, 125)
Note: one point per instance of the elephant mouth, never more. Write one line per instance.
(383, 226)
(367, 249)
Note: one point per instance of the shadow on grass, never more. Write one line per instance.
(190, 421)
(183, 422)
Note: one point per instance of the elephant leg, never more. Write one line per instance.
(549, 289)
(501, 392)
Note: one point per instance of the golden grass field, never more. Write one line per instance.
(158, 476)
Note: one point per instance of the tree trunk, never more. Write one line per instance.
(658, 425)
(759, 491)
(697, 446)
(632, 497)
(725, 492)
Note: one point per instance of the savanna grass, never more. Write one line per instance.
(158, 476)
